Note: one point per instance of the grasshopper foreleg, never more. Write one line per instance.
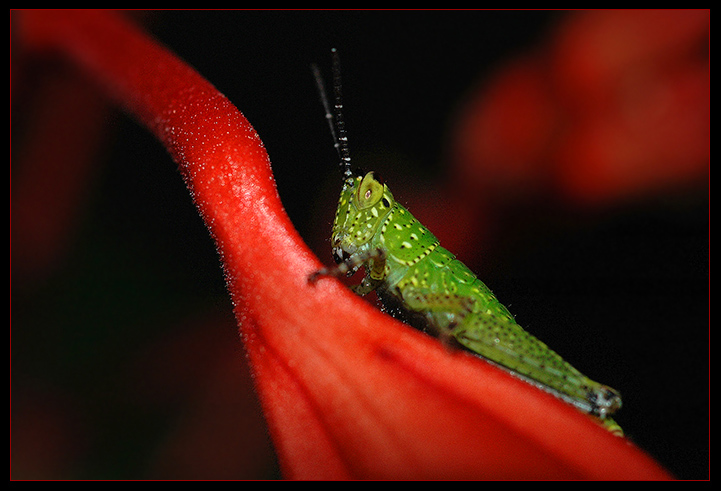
(374, 260)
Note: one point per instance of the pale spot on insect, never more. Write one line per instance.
(398, 226)
(374, 212)
(405, 245)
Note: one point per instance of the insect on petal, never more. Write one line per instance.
(347, 391)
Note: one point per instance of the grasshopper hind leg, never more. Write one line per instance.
(507, 344)
(500, 340)
(438, 314)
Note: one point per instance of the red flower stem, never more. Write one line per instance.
(347, 391)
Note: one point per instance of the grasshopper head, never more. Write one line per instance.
(364, 201)
(362, 208)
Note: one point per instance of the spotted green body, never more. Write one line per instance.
(420, 280)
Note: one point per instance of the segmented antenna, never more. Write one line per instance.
(335, 118)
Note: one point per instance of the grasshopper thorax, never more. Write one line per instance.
(363, 207)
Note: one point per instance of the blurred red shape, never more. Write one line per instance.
(616, 105)
(347, 391)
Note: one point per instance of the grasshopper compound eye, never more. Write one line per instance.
(370, 191)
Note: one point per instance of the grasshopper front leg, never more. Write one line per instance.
(374, 260)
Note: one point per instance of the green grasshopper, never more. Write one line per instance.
(418, 280)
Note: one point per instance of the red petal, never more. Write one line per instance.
(348, 392)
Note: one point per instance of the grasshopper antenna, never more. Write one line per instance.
(335, 117)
